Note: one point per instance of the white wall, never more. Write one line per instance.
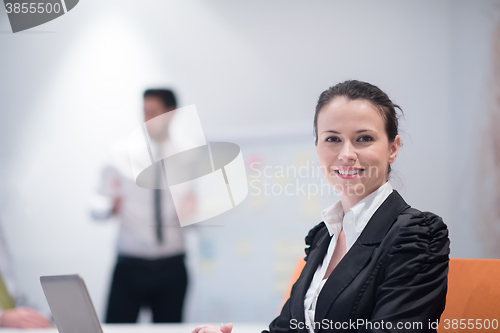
(72, 86)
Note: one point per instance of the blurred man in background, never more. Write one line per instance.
(12, 312)
(150, 270)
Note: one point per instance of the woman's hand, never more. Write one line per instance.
(207, 328)
(23, 318)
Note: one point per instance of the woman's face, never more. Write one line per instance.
(353, 149)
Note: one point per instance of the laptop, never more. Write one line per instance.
(70, 304)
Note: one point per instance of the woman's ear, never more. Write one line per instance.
(394, 149)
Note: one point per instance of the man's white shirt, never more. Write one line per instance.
(137, 230)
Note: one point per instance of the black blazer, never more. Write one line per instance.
(396, 272)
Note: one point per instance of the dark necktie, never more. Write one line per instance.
(159, 234)
(157, 202)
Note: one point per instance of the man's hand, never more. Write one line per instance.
(23, 318)
(117, 202)
(227, 328)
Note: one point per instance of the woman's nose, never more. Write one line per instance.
(348, 153)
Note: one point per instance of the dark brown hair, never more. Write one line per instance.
(355, 90)
(166, 96)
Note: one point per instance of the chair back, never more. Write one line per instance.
(473, 298)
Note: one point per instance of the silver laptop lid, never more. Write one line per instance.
(70, 304)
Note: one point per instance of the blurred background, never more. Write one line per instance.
(73, 86)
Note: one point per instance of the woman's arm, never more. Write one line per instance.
(284, 322)
(416, 276)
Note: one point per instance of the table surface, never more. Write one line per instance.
(152, 328)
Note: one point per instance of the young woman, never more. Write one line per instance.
(374, 264)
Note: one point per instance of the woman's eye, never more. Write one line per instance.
(365, 138)
(332, 139)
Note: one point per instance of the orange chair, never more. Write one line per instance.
(473, 297)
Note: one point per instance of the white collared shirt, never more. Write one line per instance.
(353, 224)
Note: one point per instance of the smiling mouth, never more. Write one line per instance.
(349, 172)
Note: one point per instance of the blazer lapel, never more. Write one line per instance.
(356, 258)
(314, 259)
